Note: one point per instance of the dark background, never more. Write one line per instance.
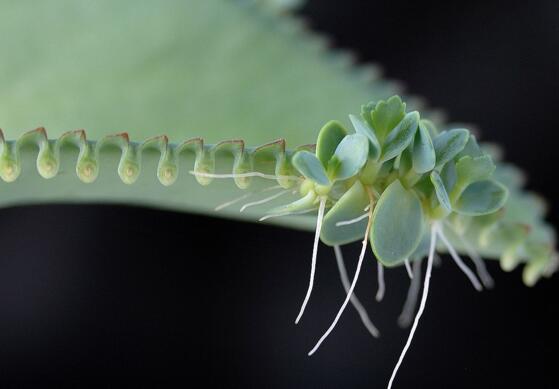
(99, 293)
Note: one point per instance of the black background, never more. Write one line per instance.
(121, 295)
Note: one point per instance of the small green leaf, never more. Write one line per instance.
(405, 161)
(481, 198)
(430, 126)
(448, 175)
(397, 224)
(386, 115)
(400, 137)
(471, 149)
(423, 150)
(364, 129)
(440, 190)
(328, 139)
(350, 206)
(308, 165)
(350, 156)
(448, 144)
(469, 170)
(367, 112)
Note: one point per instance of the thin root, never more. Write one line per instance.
(244, 175)
(405, 318)
(352, 221)
(232, 202)
(263, 201)
(314, 255)
(479, 263)
(381, 285)
(458, 260)
(351, 288)
(408, 268)
(354, 300)
(286, 214)
(243, 197)
(421, 305)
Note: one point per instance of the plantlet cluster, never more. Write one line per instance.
(408, 190)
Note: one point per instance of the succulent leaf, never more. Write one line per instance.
(309, 166)
(349, 207)
(398, 225)
(400, 137)
(328, 140)
(386, 115)
(423, 150)
(362, 128)
(448, 144)
(481, 198)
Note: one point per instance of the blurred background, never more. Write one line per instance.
(80, 299)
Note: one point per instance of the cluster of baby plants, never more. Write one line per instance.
(397, 183)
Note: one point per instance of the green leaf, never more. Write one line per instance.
(400, 137)
(364, 129)
(386, 115)
(367, 112)
(471, 149)
(430, 126)
(440, 190)
(329, 138)
(423, 150)
(308, 165)
(397, 224)
(448, 175)
(350, 156)
(470, 169)
(350, 206)
(481, 198)
(448, 144)
(405, 161)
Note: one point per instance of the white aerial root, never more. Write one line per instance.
(285, 214)
(351, 288)
(421, 305)
(408, 268)
(354, 300)
(234, 201)
(458, 260)
(314, 254)
(380, 280)
(479, 263)
(352, 221)
(244, 175)
(263, 201)
(405, 318)
(245, 196)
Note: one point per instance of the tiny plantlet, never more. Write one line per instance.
(390, 175)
